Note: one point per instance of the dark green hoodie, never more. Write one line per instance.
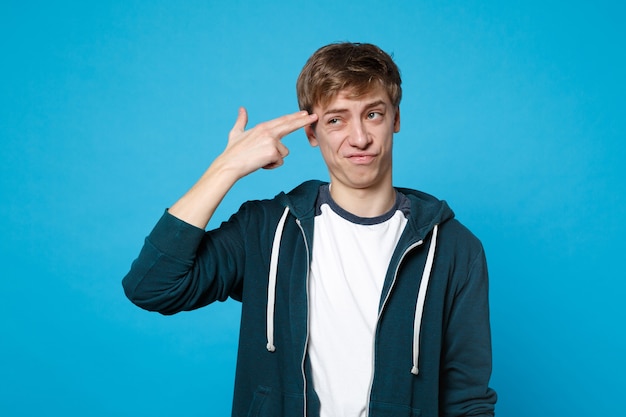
(432, 353)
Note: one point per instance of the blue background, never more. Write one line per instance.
(513, 112)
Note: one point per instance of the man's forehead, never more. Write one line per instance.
(372, 95)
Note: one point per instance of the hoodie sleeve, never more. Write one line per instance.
(466, 361)
(182, 267)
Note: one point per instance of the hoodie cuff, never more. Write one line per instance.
(175, 237)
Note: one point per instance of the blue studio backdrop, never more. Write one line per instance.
(513, 112)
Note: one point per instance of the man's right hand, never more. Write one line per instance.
(246, 152)
(261, 146)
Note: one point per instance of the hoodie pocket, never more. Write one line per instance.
(258, 400)
(379, 409)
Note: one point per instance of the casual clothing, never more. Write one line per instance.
(432, 349)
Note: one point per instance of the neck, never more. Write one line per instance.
(367, 202)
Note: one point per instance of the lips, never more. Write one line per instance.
(361, 158)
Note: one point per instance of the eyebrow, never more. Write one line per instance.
(367, 106)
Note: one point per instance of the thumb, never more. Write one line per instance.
(242, 120)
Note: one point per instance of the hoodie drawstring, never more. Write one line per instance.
(419, 307)
(271, 285)
(421, 298)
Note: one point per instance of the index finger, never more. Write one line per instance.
(284, 125)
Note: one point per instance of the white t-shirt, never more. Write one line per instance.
(351, 256)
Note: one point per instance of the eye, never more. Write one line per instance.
(333, 121)
(374, 115)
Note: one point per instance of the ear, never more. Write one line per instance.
(309, 130)
(396, 121)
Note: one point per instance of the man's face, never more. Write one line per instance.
(355, 136)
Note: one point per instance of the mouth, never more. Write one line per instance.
(361, 158)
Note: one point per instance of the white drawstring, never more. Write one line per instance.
(421, 295)
(271, 285)
(421, 298)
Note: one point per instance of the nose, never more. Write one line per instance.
(359, 137)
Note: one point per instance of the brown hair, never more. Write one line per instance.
(339, 66)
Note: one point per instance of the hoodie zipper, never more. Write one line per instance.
(306, 340)
(380, 313)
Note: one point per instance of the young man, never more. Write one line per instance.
(358, 298)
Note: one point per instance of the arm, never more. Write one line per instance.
(180, 267)
(466, 365)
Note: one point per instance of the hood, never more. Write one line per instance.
(426, 210)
